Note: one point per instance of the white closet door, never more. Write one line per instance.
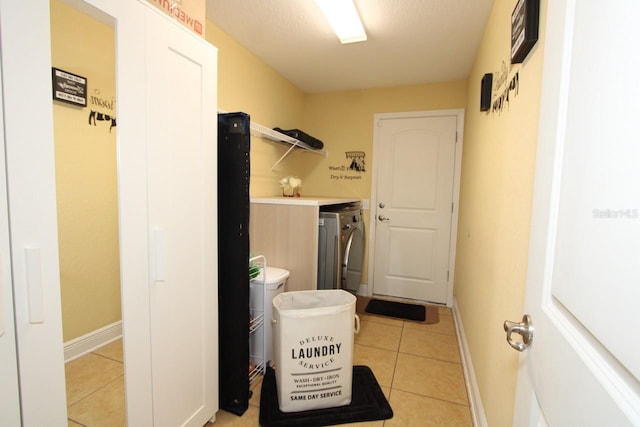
(169, 217)
(9, 391)
(28, 131)
(181, 134)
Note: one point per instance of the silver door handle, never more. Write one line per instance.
(524, 328)
(383, 218)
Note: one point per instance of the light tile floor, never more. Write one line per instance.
(417, 365)
(95, 388)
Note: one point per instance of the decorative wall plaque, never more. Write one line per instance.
(69, 87)
(524, 29)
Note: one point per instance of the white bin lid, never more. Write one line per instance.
(275, 276)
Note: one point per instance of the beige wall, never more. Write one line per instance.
(245, 83)
(86, 176)
(496, 195)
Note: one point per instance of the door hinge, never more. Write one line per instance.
(447, 275)
(451, 207)
(456, 137)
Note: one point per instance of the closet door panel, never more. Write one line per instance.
(9, 391)
(168, 157)
(181, 129)
(28, 133)
(132, 193)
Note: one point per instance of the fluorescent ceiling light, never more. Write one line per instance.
(344, 20)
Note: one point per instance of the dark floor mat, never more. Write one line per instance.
(397, 309)
(367, 404)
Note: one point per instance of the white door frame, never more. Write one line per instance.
(459, 113)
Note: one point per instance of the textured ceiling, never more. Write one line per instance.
(409, 41)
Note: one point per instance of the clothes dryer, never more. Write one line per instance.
(340, 247)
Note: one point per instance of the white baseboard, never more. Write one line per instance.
(475, 402)
(363, 290)
(87, 343)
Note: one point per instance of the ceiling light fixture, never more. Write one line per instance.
(344, 19)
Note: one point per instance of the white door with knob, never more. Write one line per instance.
(414, 217)
(582, 367)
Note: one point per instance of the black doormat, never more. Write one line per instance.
(397, 309)
(367, 404)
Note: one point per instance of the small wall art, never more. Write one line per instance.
(102, 109)
(68, 87)
(524, 29)
(356, 159)
(352, 170)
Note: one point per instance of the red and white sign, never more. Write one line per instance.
(190, 13)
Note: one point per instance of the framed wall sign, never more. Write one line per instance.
(69, 87)
(524, 29)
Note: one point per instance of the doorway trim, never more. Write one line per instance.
(459, 114)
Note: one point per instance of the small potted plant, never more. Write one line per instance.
(290, 186)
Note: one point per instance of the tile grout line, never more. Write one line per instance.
(95, 391)
(393, 375)
(106, 357)
(434, 398)
(433, 358)
(76, 422)
(430, 358)
(432, 332)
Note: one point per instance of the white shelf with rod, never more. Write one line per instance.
(273, 135)
(267, 133)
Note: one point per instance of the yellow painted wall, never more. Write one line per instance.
(496, 197)
(86, 175)
(246, 83)
(344, 122)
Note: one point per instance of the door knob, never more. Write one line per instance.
(524, 328)
(383, 218)
(381, 205)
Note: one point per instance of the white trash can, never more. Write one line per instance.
(262, 299)
(314, 333)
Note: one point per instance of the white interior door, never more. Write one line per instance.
(582, 368)
(416, 173)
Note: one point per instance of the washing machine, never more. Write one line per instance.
(340, 247)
